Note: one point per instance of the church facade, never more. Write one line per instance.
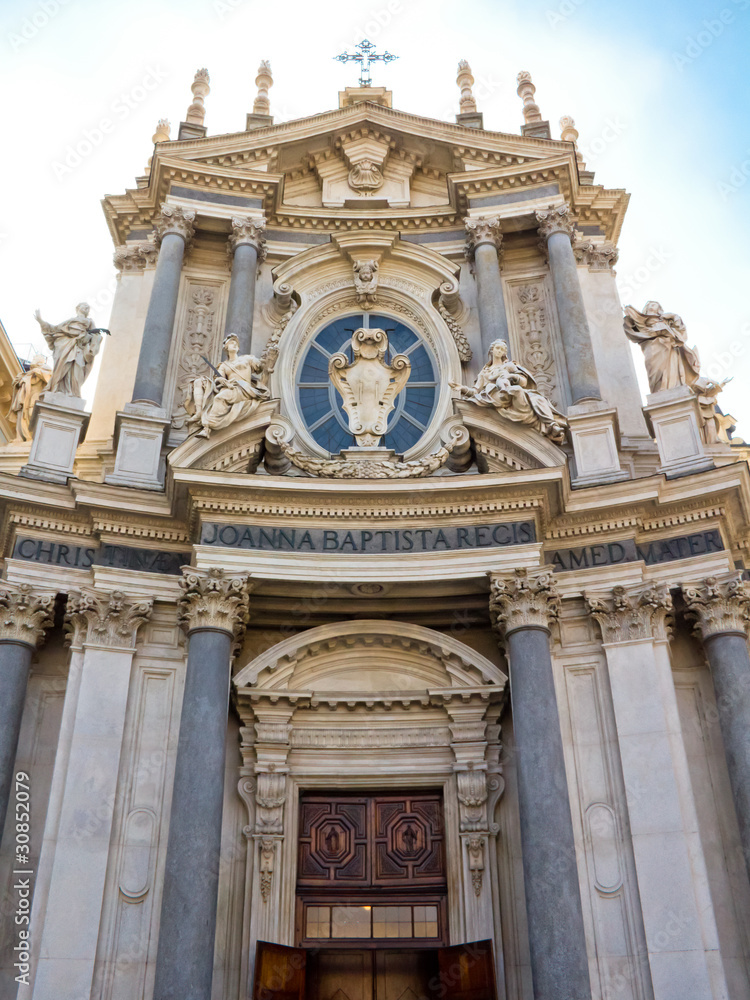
(370, 638)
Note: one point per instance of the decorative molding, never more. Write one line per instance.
(177, 220)
(136, 257)
(198, 340)
(475, 852)
(459, 337)
(248, 231)
(211, 600)
(472, 796)
(719, 605)
(523, 601)
(632, 613)
(597, 256)
(556, 219)
(370, 739)
(26, 613)
(103, 619)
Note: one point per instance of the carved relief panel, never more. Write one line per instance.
(197, 335)
(534, 334)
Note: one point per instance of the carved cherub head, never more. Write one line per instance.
(366, 270)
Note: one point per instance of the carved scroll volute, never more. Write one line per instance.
(26, 614)
(629, 614)
(524, 600)
(104, 619)
(719, 605)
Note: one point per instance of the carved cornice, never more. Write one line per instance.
(248, 231)
(523, 601)
(556, 219)
(597, 256)
(480, 231)
(719, 605)
(136, 256)
(175, 219)
(104, 619)
(212, 600)
(630, 614)
(26, 614)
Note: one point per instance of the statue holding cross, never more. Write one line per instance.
(365, 55)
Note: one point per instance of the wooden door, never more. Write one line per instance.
(279, 972)
(340, 974)
(405, 975)
(467, 972)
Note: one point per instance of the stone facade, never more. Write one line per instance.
(547, 632)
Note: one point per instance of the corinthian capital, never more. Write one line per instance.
(104, 619)
(480, 231)
(523, 601)
(136, 257)
(211, 600)
(719, 604)
(250, 231)
(175, 219)
(598, 256)
(25, 615)
(632, 613)
(556, 219)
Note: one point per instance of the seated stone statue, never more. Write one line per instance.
(512, 391)
(233, 393)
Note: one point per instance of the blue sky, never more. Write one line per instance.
(660, 93)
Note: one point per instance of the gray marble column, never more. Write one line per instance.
(214, 608)
(483, 245)
(722, 612)
(247, 248)
(556, 228)
(25, 616)
(175, 230)
(522, 608)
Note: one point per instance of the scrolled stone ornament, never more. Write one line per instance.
(366, 176)
(212, 600)
(719, 605)
(104, 619)
(632, 614)
(175, 220)
(524, 600)
(25, 615)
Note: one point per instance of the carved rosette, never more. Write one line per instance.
(596, 256)
(553, 220)
(248, 231)
(104, 619)
(719, 605)
(212, 600)
(136, 256)
(26, 614)
(524, 600)
(632, 613)
(175, 219)
(480, 231)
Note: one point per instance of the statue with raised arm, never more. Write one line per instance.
(74, 345)
(233, 393)
(663, 338)
(27, 387)
(512, 391)
(368, 385)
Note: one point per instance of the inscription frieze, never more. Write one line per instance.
(84, 556)
(628, 550)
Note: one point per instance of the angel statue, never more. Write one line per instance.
(663, 339)
(231, 394)
(74, 345)
(367, 385)
(366, 282)
(27, 387)
(513, 392)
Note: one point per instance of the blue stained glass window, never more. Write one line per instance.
(322, 407)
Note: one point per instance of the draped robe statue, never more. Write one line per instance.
(213, 403)
(512, 391)
(27, 387)
(663, 339)
(74, 345)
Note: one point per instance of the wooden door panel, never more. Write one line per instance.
(467, 972)
(279, 972)
(340, 975)
(405, 975)
(333, 843)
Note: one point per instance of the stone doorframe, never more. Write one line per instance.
(370, 705)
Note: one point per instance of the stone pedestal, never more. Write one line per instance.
(59, 424)
(140, 432)
(673, 417)
(595, 434)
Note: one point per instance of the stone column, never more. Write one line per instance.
(213, 613)
(24, 618)
(557, 228)
(76, 854)
(174, 233)
(483, 249)
(678, 918)
(247, 248)
(722, 612)
(523, 608)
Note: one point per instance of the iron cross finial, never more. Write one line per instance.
(365, 55)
